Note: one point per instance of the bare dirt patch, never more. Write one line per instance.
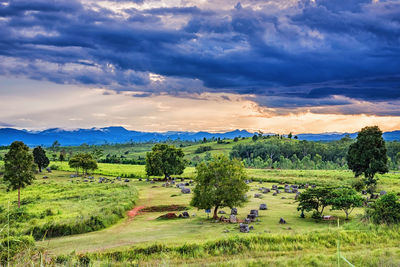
(163, 208)
(133, 212)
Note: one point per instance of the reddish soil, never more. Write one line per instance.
(133, 212)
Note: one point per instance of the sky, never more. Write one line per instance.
(277, 66)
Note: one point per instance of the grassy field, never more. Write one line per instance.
(148, 240)
(56, 206)
(93, 223)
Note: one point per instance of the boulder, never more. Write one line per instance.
(232, 219)
(185, 214)
(254, 212)
(263, 206)
(382, 193)
(364, 192)
(234, 211)
(185, 190)
(282, 221)
(140, 179)
(48, 169)
(251, 227)
(244, 228)
(275, 193)
(126, 181)
(45, 177)
(221, 212)
(252, 217)
(257, 196)
(266, 190)
(247, 221)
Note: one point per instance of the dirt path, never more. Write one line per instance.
(133, 212)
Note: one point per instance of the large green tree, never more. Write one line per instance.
(368, 156)
(345, 199)
(220, 183)
(314, 199)
(40, 158)
(165, 160)
(83, 161)
(18, 168)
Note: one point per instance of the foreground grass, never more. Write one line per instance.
(371, 246)
(56, 207)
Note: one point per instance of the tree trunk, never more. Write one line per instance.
(19, 197)
(215, 212)
(347, 215)
(40, 168)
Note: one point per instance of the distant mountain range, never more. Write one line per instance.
(97, 136)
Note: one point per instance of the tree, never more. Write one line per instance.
(97, 153)
(40, 158)
(18, 167)
(290, 135)
(345, 199)
(398, 160)
(83, 161)
(236, 139)
(314, 199)
(368, 156)
(55, 146)
(63, 155)
(386, 209)
(220, 183)
(255, 138)
(165, 160)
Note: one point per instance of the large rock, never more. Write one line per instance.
(263, 206)
(221, 212)
(257, 196)
(244, 228)
(234, 211)
(254, 212)
(282, 221)
(232, 219)
(382, 193)
(185, 190)
(252, 217)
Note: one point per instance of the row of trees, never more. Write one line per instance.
(84, 162)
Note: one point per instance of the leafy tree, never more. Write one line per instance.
(398, 160)
(345, 199)
(314, 199)
(18, 167)
(255, 137)
(236, 139)
(40, 158)
(55, 146)
(63, 155)
(220, 183)
(165, 160)
(368, 155)
(83, 161)
(385, 210)
(97, 153)
(290, 135)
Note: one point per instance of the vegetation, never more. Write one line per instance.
(40, 158)
(386, 210)
(83, 161)
(345, 199)
(314, 199)
(368, 156)
(165, 160)
(220, 183)
(18, 168)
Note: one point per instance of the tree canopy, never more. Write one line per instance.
(83, 161)
(18, 167)
(220, 183)
(368, 155)
(165, 160)
(345, 199)
(315, 199)
(40, 158)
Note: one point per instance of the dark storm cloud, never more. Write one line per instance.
(297, 55)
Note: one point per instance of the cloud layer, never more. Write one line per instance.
(323, 56)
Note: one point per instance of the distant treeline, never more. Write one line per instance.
(285, 153)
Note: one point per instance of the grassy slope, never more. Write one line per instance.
(145, 229)
(56, 201)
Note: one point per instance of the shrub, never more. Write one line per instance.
(386, 210)
(17, 244)
(54, 167)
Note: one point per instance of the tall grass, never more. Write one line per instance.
(314, 244)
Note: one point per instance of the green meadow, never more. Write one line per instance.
(64, 208)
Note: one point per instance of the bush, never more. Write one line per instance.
(386, 210)
(17, 244)
(54, 167)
